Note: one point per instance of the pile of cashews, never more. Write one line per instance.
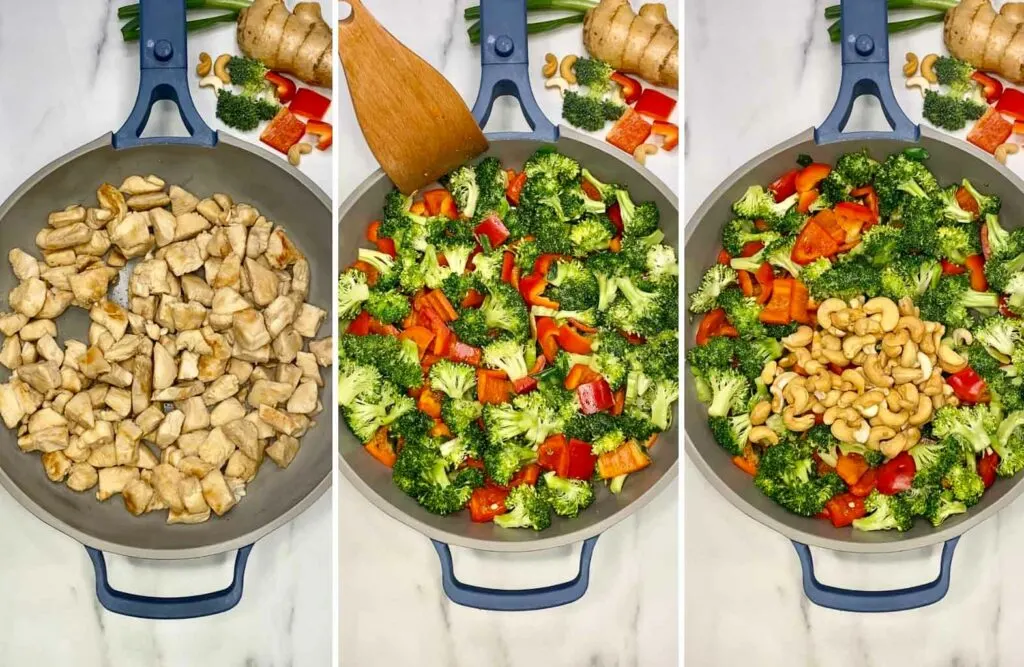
(890, 381)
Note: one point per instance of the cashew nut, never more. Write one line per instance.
(768, 372)
(918, 82)
(910, 396)
(862, 433)
(909, 355)
(800, 338)
(913, 436)
(933, 385)
(923, 412)
(879, 433)
(938, 401)
(962, 336)
(873, 372)
(814, 367)
(798, 397)
(204, 65)
(831, 398)
(894, 445)
(894, 419)
(913, 325)
(831, 415)
(843, 432)
(220, 67)
(949, 360)
(830, 342)
(910, 67)
(763, 434)
(825, 310)
(759, 413)
(298, 150)
(643, 150)
(869, 400)
(557, 82)
(901, 375)
(926, 365)
(566, 68)
(550, 65)
(927, 68)
(836, 357)
(855, 377)
(794, 423)
(211, 81)
(1003, 150)
(854, 344)
(889, 311)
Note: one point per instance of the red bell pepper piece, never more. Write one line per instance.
(803, 203)
(670, 132)
(850, 467)
(870, 199)
(951, 269)
(968, 386)
(284, 88)
(528, 475)
(590, 191)
(808, 178)
(615, 215)
(553, 454)
(493, 229)
(629, 131)
(547, 337)
(987, 465)
(360, 326)
(434, 199)
(967, 202)
(844, 509)
(1011, 103)
(386, 246)
(746, 284)
(710, 326)
(581, 460)
(866, 484)
(532, 288)
(594, 396)
(655, 104)
(812, 243)
(570, 340)
(459, 351)
(543, 263)
(765, 277)
(990, 131)
(524, 385)
(784, 186)
(323, 131)
(896, 474)
(486, 503)
(992, 88)
(976, 265)
(631, 88)
(515, 187)
(309, 104)
(284, 131)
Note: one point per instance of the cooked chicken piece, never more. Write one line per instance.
(283, 450)
(288, 374)
(142, 381)
(163, 222)
(179, 392)
(103, 456)
(116, 259)
(216, 492)
(79, 410)
(183, 257)
(113, 480)
(137, 496)
(45, 419)
(71, 380)
(193, 341)
(37, 329)
(212, 211)
(131, 235)
(98, 218)
(229, 273)
(118, 376)
(250, 330)
(57, 258)
(281, 253)
(64, 237)
(196, 289)
(190, 315)
(70, 215)
(149, 420)
(262, 282)
(242, 214)
(97, 245)
(167, 484)
(138, 185)
(182, 201)
(56, 302)
(191, 493)
(29, 398)
(24, 265)
(97, 394)
(266, 392)
(123, 349)
(99, 337)
(280, 421)
(236, 239)
(74, 350)
(90, 286)
(10, 352)
(303, 401)
(220, 389)
(11, 323)
(287, 346)
(147, 201)
(261, 373)
(102, 433)
(189, 225)
(211, 368)
(59, 277)
(228, 301)
(77, 450)
(227, 411)
(241, 466)
(126, 442)
(240, 369)
(56, 465)
(43, 376)
(119, 400)
(82, 477)
(218, 245)
(145, 459)
(165, 370)
(216, 449)
(47, 440)
(323, 350)
(188, 368)
(259, 236)
(29, 355)
(309, 319)
(10, 407)
(300, 279)
(28, 297)
(196, 415)
(279, 314)
(48, 347)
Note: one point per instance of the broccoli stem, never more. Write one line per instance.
(129, 11)
(835, 34)
(531, 28)
(833, 11)
(541, 5)
(131, 30)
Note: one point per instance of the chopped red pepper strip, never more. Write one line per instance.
(990, 86)
(284, 87)
(896, 474)
(553, 454)
(309, 104)
(655, 104)
(532, 288)
(670, 132)
(322, 130)
(493, 229)
(784, 186)
(631, 88)
(581, 460)
(571, 341)
(987, 466)
(1011, 103)
(968, 386)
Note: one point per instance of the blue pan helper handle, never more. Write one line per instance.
(492, 599)
(506, 69)
(903, 599)
(164, 76)
(865, 53)
(191, 606)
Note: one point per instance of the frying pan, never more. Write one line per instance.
(202, 163)
(506, 72)
(865, 61)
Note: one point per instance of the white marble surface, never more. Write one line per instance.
(743, 600)
(391, 607)
(65, 84)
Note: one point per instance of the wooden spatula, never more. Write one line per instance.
(417, 125)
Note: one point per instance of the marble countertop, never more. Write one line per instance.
(744, 603)
(389, 574)
(51, 615)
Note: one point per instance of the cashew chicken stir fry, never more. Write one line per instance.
(174, 401)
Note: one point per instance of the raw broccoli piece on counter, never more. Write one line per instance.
(954, 73)
(950, 112)
(243, 112)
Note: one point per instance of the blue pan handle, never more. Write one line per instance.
(506, 69)
(163, 77)
(903, 599)
(192, 606)
(492, 599)
(865, 52)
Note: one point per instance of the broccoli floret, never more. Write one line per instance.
(528, 416)
(758, 203)
(856, 168)
(846, 280)
(247, 73)
(1000, 242)
(731, 432)
(743, 313)
(504, 309)
(815, 269)
(872, 456)
(508, 356)
(951, 209)
(1009, 445)
(493, 182)
(471, 327)
(568, 497)
(786, 475)
(466, 445)
(779, 253)
(352, 292)
(412, 426)
(502, 460)
(368, 412)
(552, 164)
(987, 204)
(575, 203)
(909, 275)
(950, 112)
(526, 509)
(901, 178)
(638, 219)
(999, 335)
(933, 459)
(717, 353)
(955, 243)
(753, 354)
(591, 234)
(387, 268)
(819, 437)
(941, 505)
(949, 300)
(835, 188)
(729, 390)
(919, 217)
(955, 73)
(885, 513)
(452, 378)
(880, 245)
(397, 360)
(387, 307)
(461, 183)
(355, 380)
(420, 471)
(966, 484)
(606, 190)
(789, 224)
(645, 312)
(242, 112)
(714, 282)
(1001, 269)
(607, 442)
(573, 286)
(971, 425)
(459, 414)
(739, 232)
(593, 73)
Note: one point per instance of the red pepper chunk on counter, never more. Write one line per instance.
(309, 104)
(284, 131)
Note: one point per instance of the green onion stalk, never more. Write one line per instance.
(130, 31)
(937, 13)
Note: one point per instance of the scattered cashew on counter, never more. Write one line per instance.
(174, 401)
(889, 382)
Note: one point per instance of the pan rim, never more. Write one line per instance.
(939, 535)
(538, 543)
(105, 141)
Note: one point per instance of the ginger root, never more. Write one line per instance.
(296, 42)
(643, 43)
(988, 40)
